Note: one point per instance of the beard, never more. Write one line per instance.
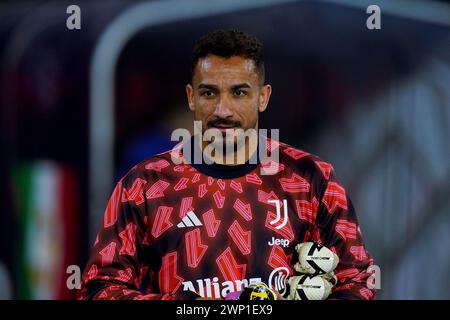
(229, 139)
(234, 144)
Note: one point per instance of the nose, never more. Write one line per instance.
(223, 109)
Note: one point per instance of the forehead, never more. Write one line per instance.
(214, 68)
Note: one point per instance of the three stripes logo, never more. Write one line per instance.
(190, 220)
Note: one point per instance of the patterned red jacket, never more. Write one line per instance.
(170, 231)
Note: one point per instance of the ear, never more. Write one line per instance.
(264, 97)
(190, 96)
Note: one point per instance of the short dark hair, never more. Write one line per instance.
(228, 43)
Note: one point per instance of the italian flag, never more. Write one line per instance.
(48, 216)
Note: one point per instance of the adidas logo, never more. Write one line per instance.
(190, 220)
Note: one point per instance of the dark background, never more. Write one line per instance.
(375, 103)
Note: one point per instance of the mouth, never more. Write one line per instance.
(223, 126)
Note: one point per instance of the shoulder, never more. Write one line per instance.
(152, 168)
(301, 160)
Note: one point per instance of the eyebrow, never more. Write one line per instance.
(214, 87)
(206, 86)
(241, 86)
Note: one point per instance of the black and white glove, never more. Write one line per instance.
(316, 279)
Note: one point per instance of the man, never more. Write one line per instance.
(189, 230)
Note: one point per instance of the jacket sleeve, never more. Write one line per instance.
(121, 259)
(338, 229)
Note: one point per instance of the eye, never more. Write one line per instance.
(240, 93)
(207, 93)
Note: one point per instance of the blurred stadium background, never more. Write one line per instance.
(79, 108)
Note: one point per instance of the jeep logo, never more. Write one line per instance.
(278, 242)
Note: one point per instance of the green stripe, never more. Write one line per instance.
(22, 175)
